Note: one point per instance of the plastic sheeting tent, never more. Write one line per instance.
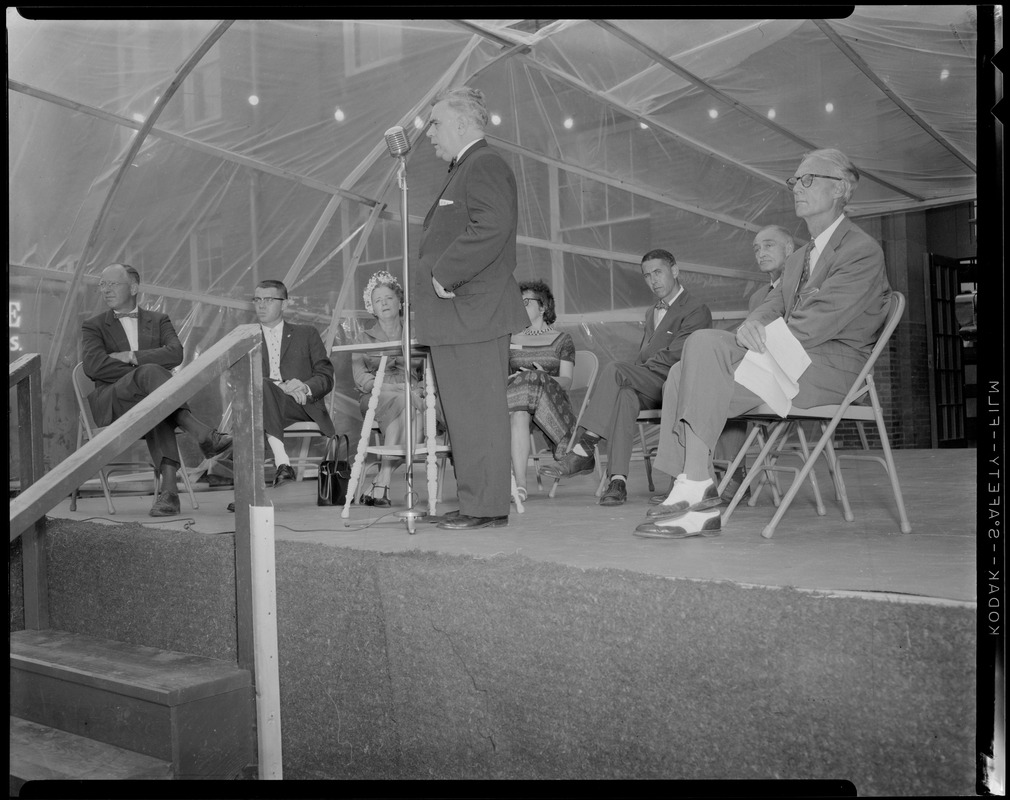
(212, 154)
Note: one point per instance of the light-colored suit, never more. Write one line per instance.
(623, 389)
(837, 320)
(468, 242)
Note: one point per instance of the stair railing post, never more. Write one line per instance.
(255, 584)
(35, 581)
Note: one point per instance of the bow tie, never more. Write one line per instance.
(125, 314)
(663, 305)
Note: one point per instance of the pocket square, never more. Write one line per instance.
(443, 202)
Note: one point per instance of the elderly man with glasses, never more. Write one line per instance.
(128, 352)
(833, 296)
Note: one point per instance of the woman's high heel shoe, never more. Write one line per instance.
(379, 502)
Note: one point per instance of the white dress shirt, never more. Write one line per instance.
(659, 313)
(272, 337)
(130, 326)
(821, 241)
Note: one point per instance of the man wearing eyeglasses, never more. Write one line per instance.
(833, 297)
(297, 374)
(623, 389)
(128, 352)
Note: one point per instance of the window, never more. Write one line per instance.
(369, 45)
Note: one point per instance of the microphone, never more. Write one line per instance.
(396, 141)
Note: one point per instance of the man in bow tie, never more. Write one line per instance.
(129, 352)
(468, 304)
(833, 296)
(623, 389)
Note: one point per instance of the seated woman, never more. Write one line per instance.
(541, 365)
(384, 299)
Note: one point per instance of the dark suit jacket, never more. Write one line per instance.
(104, 334)
(662, 347)
(843, 306)
(759, 296)
(303, 356)
(468, 243)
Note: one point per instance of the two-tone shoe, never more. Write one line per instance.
(679, 503)
(693, 523)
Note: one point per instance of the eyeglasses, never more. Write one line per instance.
(261, 300)
(528, 300)
(807, 179)
(103, 285)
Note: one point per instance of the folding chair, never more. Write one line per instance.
(88, 430)
(828, 416)
(583, 377)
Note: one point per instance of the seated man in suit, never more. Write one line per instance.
(772, 246)
(297, 375)
(833, 297)
(623, 389)
(129, 352)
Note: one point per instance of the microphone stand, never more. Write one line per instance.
(410, 516)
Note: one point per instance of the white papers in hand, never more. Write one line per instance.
(774, 374)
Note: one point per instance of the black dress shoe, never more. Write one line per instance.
(215, 444)
(435, 518)
(616, 494)
(461, 522)
(167, 505)
(570, 465)
(284, 474)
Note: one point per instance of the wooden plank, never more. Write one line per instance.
(148, 673)
(23, 367)
(35, 579)
(247, 403)
(38, 752)
(33, 503)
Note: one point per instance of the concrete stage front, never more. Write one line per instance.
(935, 563)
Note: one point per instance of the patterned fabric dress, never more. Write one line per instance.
(537, 392)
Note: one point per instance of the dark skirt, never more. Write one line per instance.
(538, 393)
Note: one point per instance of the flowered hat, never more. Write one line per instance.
(381, 278)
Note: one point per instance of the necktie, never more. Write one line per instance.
(126, 315)
(804, 276)
(452, 165)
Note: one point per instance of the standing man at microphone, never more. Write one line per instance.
(469, 304)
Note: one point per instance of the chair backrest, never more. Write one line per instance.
(895, 309)
(82, 388)
(583, 377)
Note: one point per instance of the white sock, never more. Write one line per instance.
(687, 490)
(579, 450)
(622, 478)
(280, 454)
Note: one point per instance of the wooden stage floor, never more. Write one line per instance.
(870, 557)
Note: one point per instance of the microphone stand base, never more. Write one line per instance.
(411, 516)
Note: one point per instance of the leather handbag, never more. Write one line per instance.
(333, 473)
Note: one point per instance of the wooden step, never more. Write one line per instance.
(41, 753)
(194, 712)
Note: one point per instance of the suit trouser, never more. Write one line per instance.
(280, 410)
(471, 382)
(130, 390)
(621, 391)
(702, 393)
